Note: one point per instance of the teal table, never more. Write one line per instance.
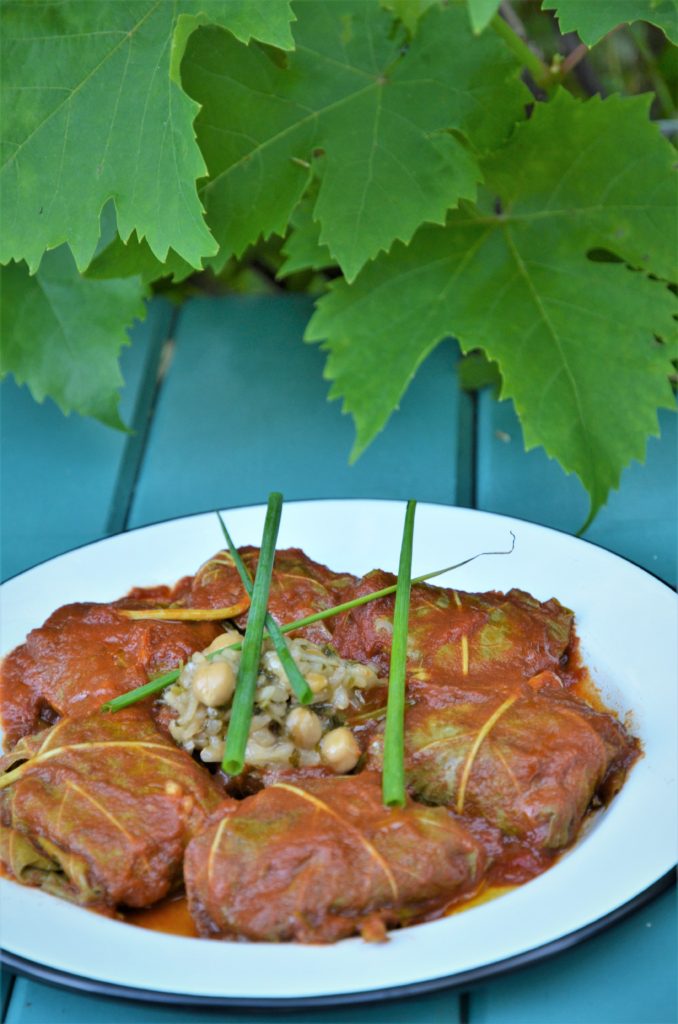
(210, 430)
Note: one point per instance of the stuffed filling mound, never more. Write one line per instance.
(283, 733)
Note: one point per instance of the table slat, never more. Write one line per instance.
(41, 1004)
(639, 520)
(244, 411)
(626, 975)
(60, 474)
(219, 436)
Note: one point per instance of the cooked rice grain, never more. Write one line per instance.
(337, 685)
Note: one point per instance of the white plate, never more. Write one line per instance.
(626, 620)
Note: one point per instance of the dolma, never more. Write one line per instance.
(99, 810)
(484, 641)
(530, 764)
(319, 860)
(86, 654)
(299, 587)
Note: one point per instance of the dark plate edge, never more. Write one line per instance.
(76, 983)
(73, 982)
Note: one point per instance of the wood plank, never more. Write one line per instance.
(639, 521)
(244, 411)
(216, 439)
(626, 975)
(7, 982)
(60, 474)
(40, 1004)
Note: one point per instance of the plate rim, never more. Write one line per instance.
(306, 501)
(509, 965)
(81, 983)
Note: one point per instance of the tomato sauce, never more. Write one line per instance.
(170, 916)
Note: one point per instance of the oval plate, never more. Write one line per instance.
(626, 621)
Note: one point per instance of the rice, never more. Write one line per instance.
(337, 684)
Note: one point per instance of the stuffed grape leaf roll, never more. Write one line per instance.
(99, 810)
(299, 587)
(317, 860)
(484, 641)
(529, 763)
(86, 654)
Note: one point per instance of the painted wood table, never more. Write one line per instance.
(227, 404)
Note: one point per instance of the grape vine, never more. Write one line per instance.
(425, 168)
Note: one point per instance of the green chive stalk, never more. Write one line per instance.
(155, 685)
(393, 776)
(161, 682)
(296, 680)
(246, 684)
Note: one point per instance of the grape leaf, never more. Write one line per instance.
(62, 334)
(383, 123)
(408, 12)
(476, 371)
(134, 258)
(302, 249)
(482, 12)
(90, 114)
(267, 21)
(574, 338)
(593, 20)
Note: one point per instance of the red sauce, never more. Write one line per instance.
(133, 650)
(170, 916)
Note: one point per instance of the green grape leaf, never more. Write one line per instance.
(90, 114)
(482, 12)
(302, 249)
(593, 19)
(574, 339)
(135, 259)
(408, 12)
(267, 21)
(476, 371)
(383, 123)
(62, 334)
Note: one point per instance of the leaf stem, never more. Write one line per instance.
(662, 91)
(537, 68)
(580, 52)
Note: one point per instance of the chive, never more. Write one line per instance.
(184, 614)
(152, 686)
(374, 595)
(160, 682)
(297, 681)
(246, 684)
(393, 778)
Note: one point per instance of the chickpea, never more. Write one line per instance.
(339, 750)
(364, 676)
(316, 681)
(230, 636)
(304, 727)
(213, 684)
(263, 737)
